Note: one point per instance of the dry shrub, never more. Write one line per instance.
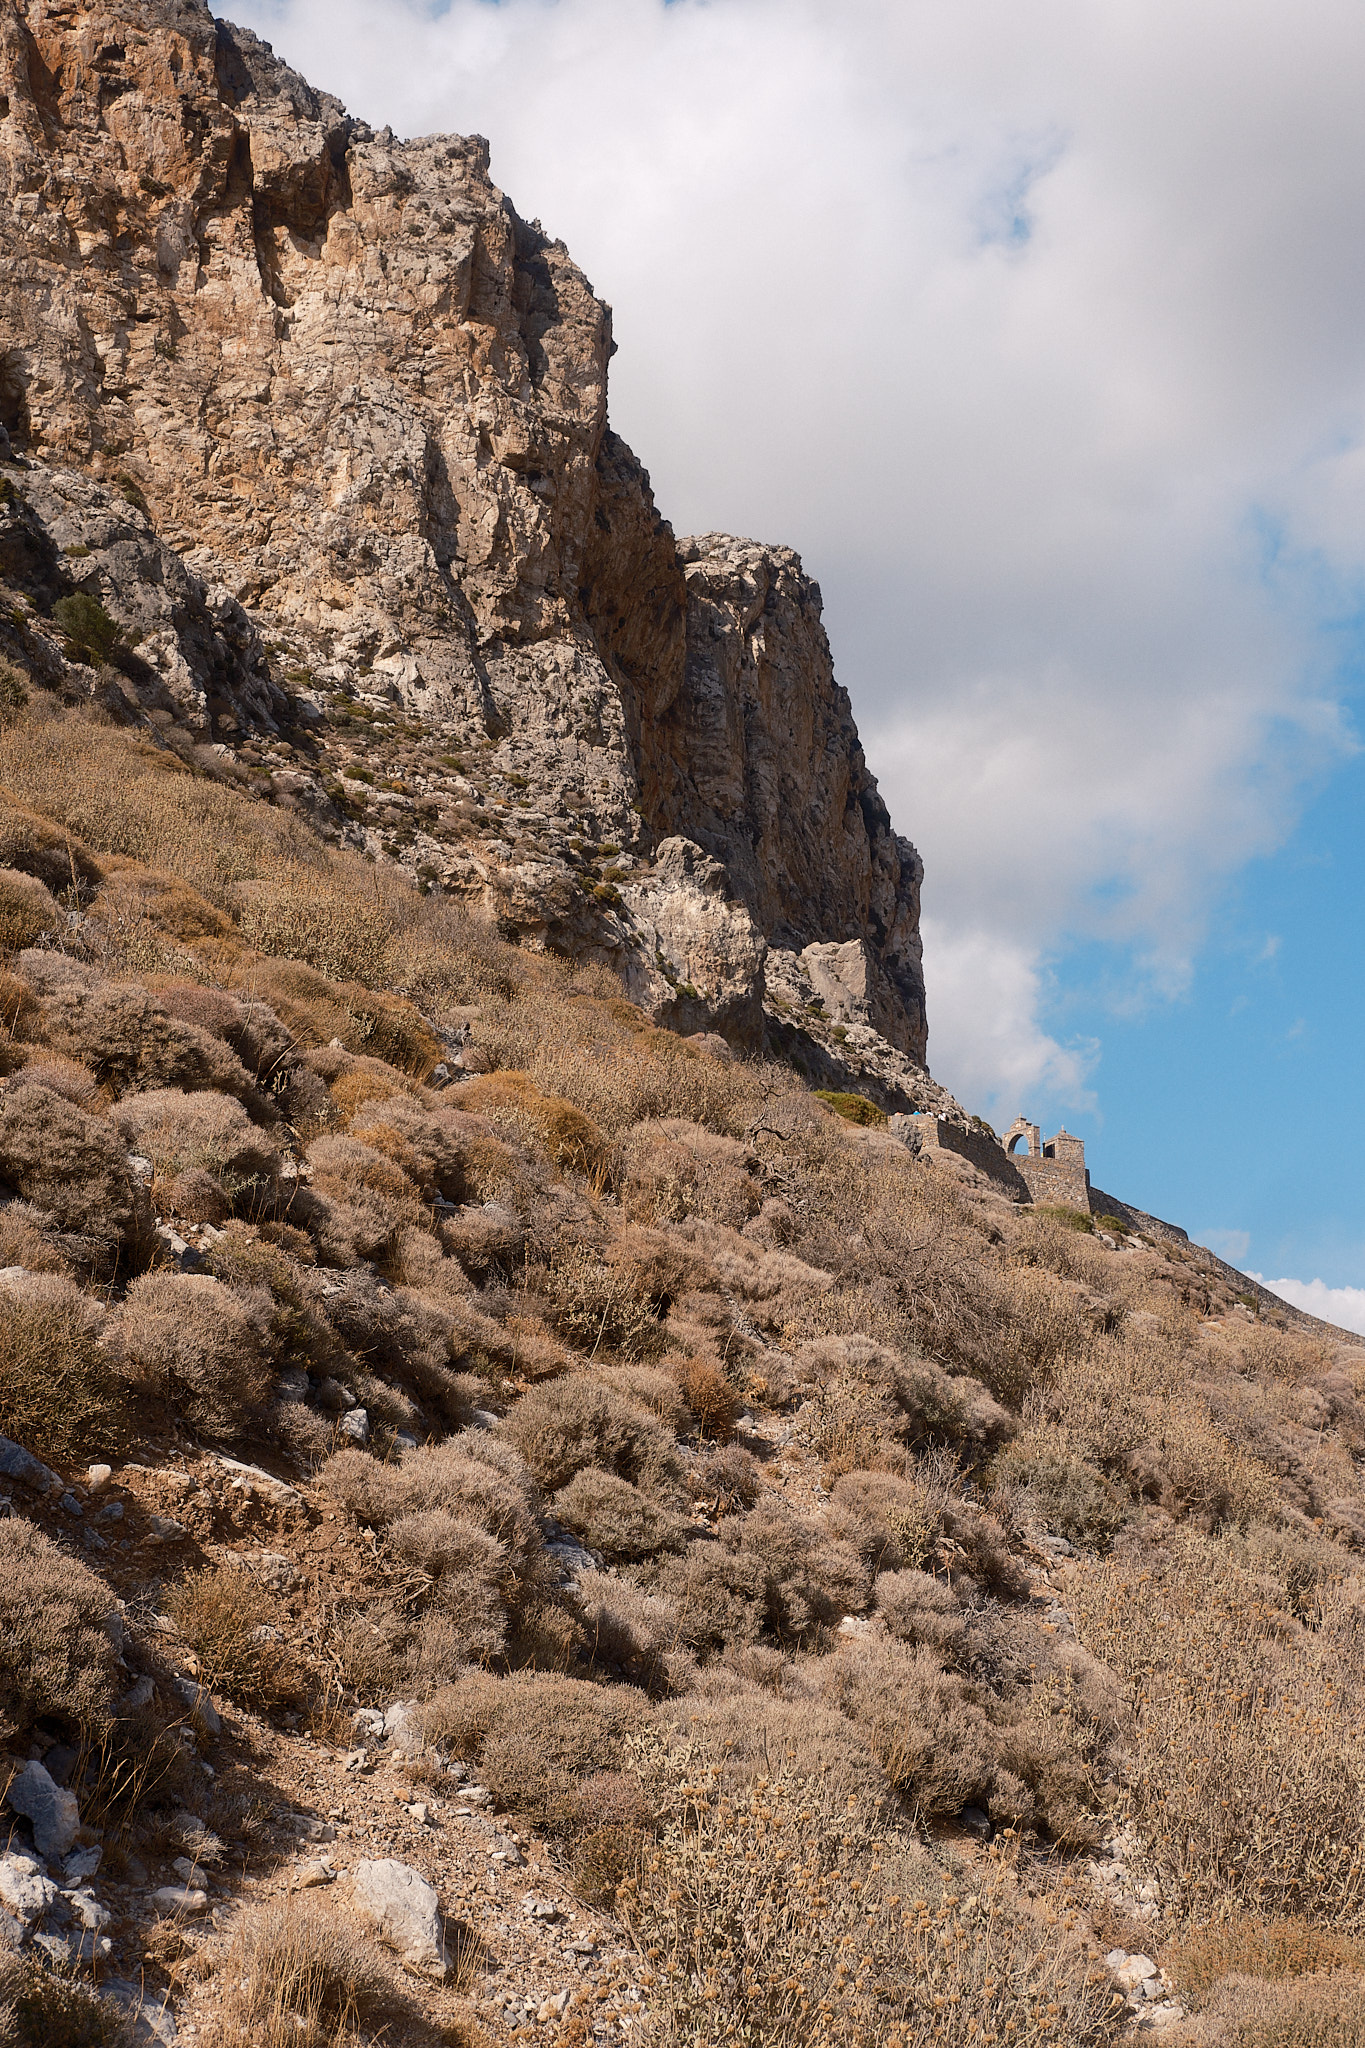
(472, 1471)
(709, 1395)
(537, 1740)
(1071, 1496)
(1326, 2010)
(919, 1609)
(467, 1568)
(586, 1051)
(191, 1342)
(42, 2006)
(299, 1977)
(673, 1169)
(894, 1523)
(649, 1387)
(57, 1650)
(979, 1553)
(811, 1579)
(1040, 1323)
(66, 1162)
(721, 1599)
(25, 1240)
(126, 1037)
(1248, 1775)
(729, 1479)
(769, 1573)
(598, 1306)
(229, 1622)
(571, 1138)
(615, 1834)
(36, 846)
(249, 1026)
(870, 1395)
(614, 1517)
(206, 1132)
(316, 1010)
(135, 902)
(925, 1727)
(67, 1078)
(60, 1393)
(19, 1006)
(360, 1203)
(627, 1627)
(567, 1424)
(434, 1142)
(1197, 1473)
(26, 910)
(770, 1913)
(1250, 1945)
(456, 1479)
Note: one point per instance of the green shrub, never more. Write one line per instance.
(1070, 1219)
(854, 1109)
(92, 634)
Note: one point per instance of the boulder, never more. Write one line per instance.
(53, 1811)
(24, 1889)
(407, 1913)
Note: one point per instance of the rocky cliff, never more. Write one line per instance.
(321, 425)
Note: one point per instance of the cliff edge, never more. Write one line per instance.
(332, 384)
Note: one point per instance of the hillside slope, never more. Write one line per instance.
(517, 1519)
(762, 1582)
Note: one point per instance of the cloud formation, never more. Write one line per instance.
(1037, 331)
(1343, 1305)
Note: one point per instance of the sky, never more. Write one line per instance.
(1036, 326)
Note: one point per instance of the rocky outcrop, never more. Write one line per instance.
(362, 406)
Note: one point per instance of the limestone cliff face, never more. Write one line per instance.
(337, 387)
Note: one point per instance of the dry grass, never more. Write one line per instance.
(765, 1915)
(1248, 1778)
(299, 1976)
(232, 1626)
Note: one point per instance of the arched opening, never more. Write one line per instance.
(1019, 1139)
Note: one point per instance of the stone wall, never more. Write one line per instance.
(926, 1134)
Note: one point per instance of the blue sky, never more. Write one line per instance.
(1036, 326)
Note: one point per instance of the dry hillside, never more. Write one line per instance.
(519, 1518)
(460, 1434)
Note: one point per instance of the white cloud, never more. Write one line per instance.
(986, 1001)
(1037, 330)
(1343, 1305)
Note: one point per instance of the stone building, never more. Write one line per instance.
(1053, 1169)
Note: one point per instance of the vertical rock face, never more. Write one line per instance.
(359, 397)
